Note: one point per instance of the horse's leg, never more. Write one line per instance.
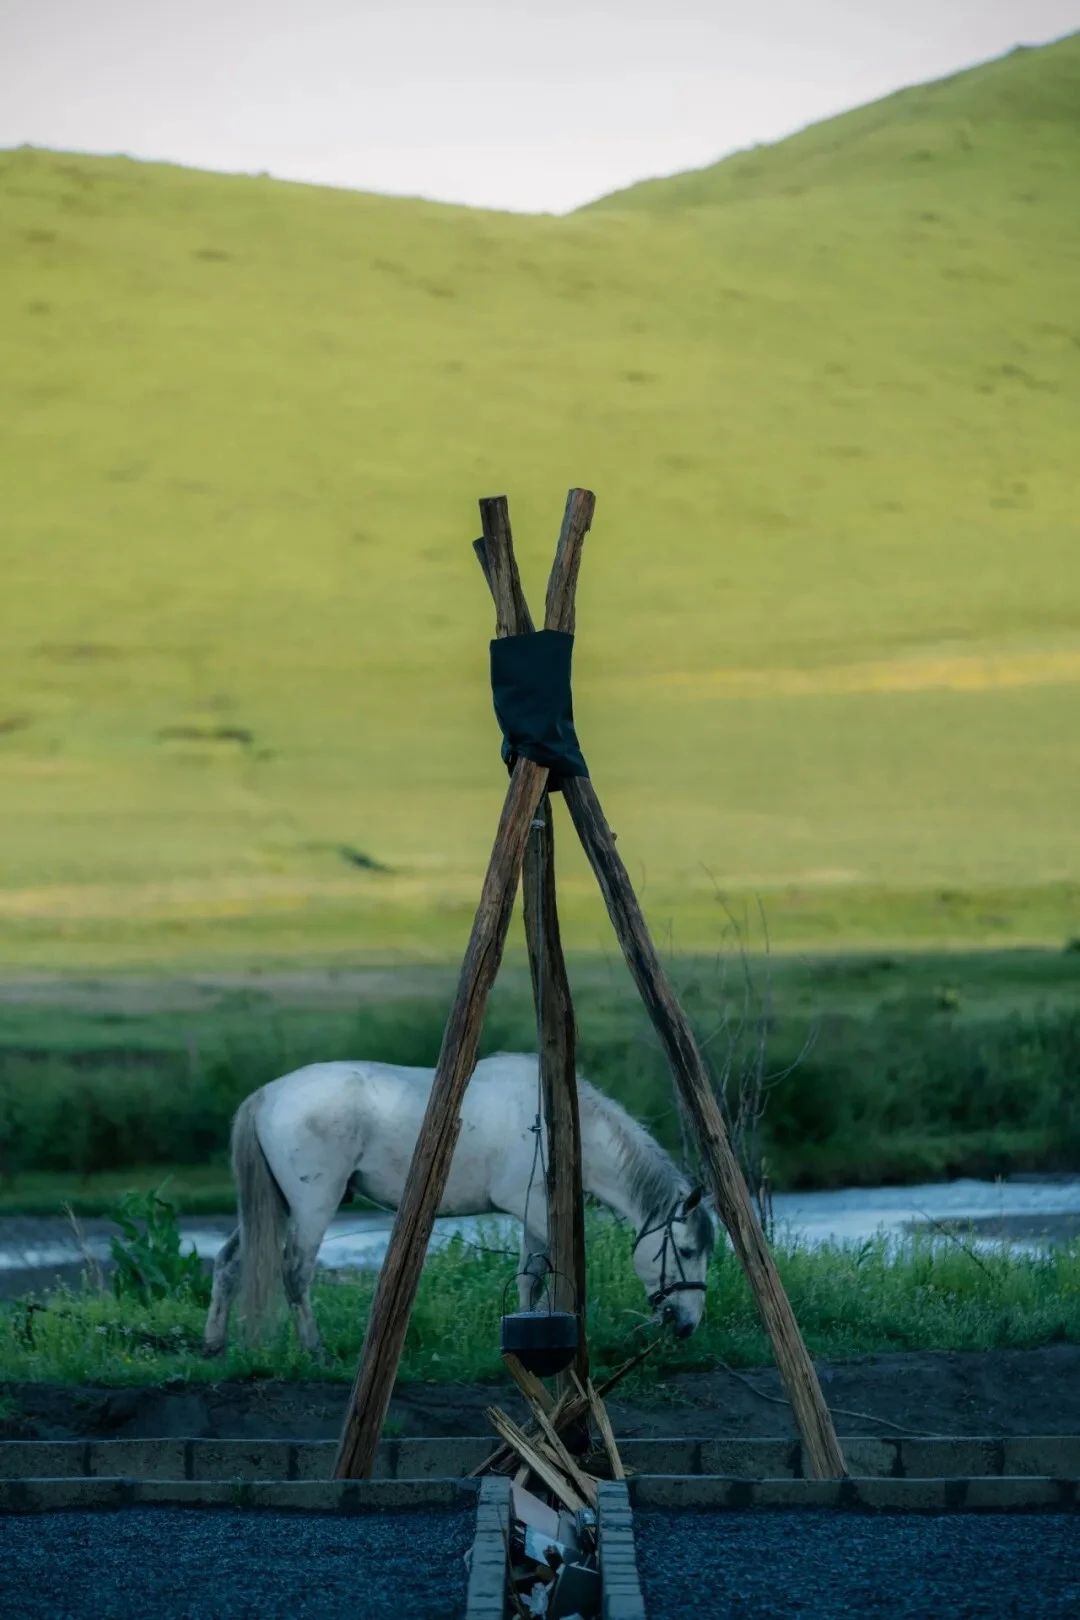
(226, 1282)
(301, 1258)
(307, 1228)
(312, 1166)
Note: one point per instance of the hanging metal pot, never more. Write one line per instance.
(545, 1342)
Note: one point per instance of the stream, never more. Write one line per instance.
(1029, 1214)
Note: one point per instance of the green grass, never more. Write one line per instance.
(198, 1189)
(829, 614)
(848, 1301)
(901, 1067)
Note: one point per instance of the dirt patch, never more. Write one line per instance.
(979, 1392)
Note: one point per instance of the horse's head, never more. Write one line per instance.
(671, 1257)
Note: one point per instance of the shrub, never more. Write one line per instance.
(906, 1091)
(147, 1259)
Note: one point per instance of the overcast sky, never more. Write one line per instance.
(522, 104)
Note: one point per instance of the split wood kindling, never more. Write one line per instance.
(524, 847)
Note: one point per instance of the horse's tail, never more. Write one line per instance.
(262, 1211)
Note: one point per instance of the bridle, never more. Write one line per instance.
(681, 1284)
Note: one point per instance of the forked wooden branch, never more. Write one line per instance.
(395, 1293)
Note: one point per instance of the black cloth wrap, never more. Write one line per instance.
(530, 683)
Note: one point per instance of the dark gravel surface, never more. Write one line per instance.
(755, 1566)
(186, 1564)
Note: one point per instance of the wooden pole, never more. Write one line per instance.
(430, 1167)
(556, 1034)
(691, 1076)
(557, 1046)
(395, 1292)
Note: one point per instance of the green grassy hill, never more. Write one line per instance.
(830, 611)
(1015, 120)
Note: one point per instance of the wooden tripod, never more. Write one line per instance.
(524, 840)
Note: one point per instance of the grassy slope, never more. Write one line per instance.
(830, 614)
(1014, 114)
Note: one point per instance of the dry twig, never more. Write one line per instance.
(841, 1411)
(540, 1464)
(603, 1423)
(583, 1482)
(94, 1274)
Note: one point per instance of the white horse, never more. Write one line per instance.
(301, 1144)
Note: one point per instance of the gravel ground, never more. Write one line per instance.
(183, 1564)
(734, 1566)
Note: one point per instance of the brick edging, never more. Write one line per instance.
(1043, 1456)
(996, 1494)
(621, 1595)
(346, 1496)
(486, 1598)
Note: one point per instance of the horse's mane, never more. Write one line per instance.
(655, 1180)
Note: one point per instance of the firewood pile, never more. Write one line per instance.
(552, 1561)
